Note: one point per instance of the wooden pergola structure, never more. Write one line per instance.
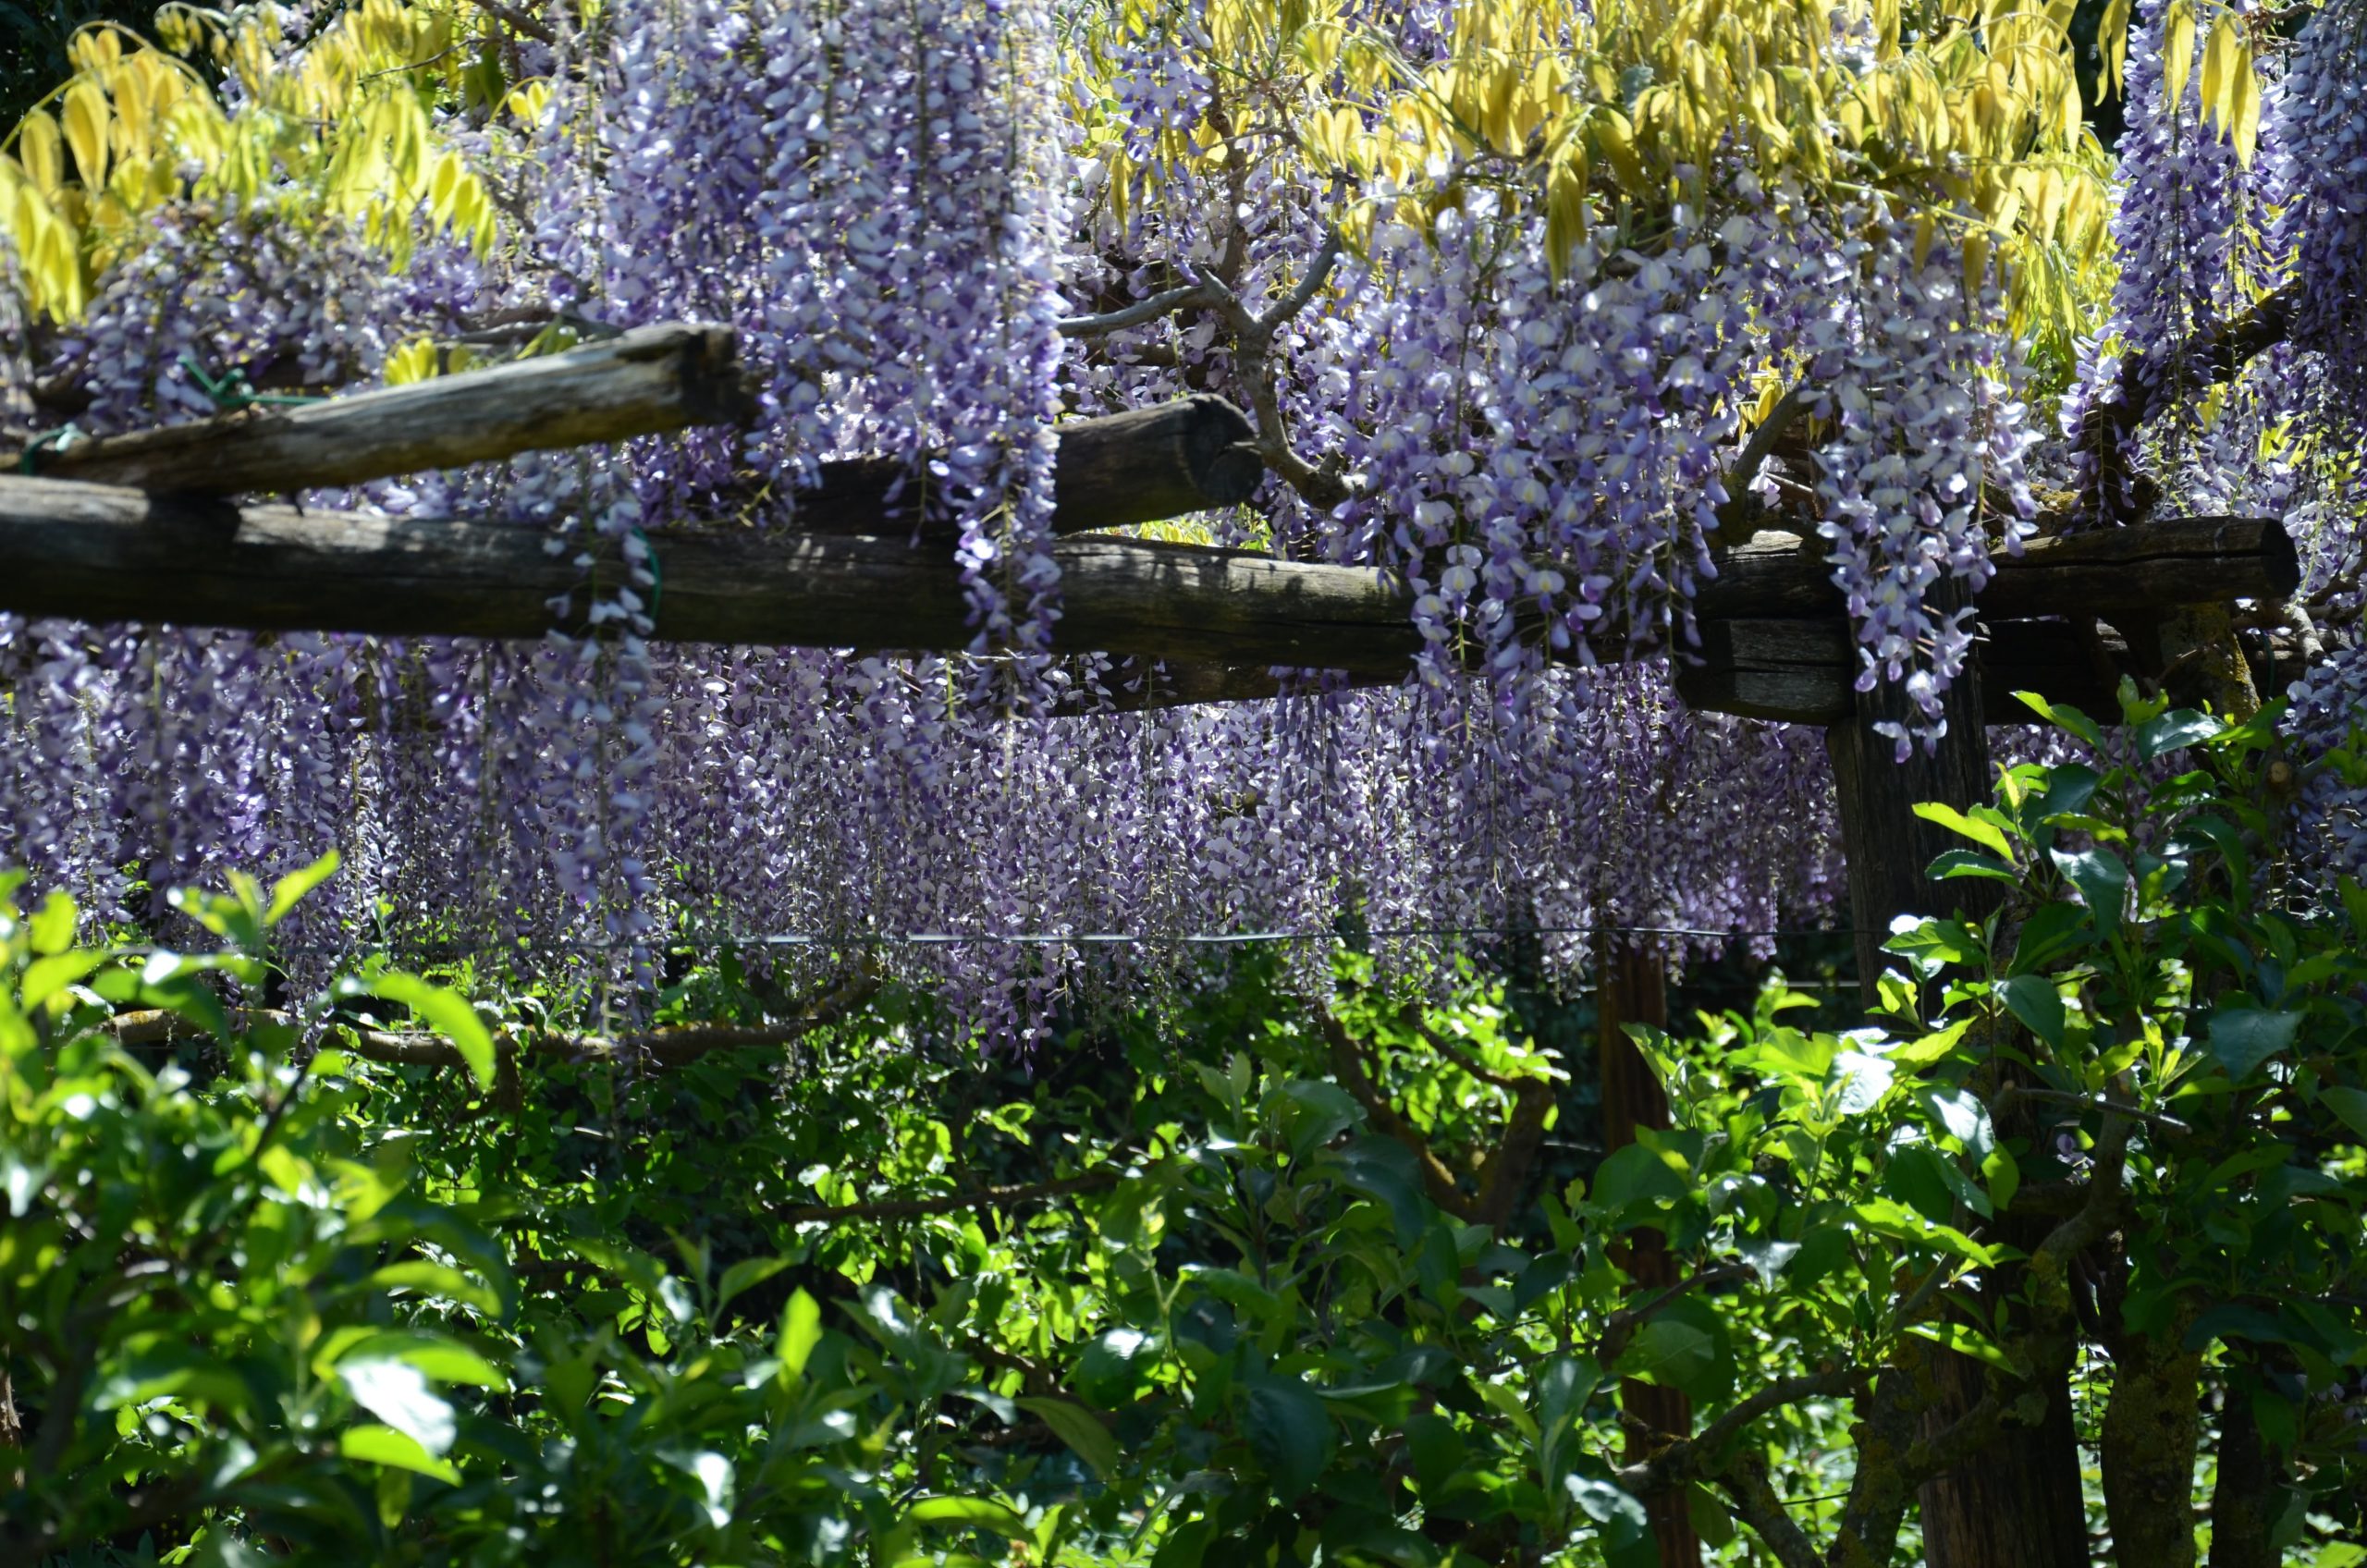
(141, 527)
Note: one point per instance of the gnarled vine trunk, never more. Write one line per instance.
(1631, 987)
(2016, 1503)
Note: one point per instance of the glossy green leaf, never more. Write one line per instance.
(2241, 1041)
(1290, 1433)
(2349, 1104)
(2034, 999)
(441, 1008)
(397, 1393)
(373, 1444)
(1078, 1427)
(1988, 835)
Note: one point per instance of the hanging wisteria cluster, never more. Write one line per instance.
(1524, 393)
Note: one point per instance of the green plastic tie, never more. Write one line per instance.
(55, 440)
(656, 575)
(232, 391)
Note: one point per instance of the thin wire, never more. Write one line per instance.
(1082, 938)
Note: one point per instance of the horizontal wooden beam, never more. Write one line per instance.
(2173, 561)
(1805, 671)
(645, 382)
(1221, 617)
(101, 552)
(1114, 470)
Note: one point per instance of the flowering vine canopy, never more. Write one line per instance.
(1509, 289)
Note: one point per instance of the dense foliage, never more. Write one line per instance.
(1250, 1282)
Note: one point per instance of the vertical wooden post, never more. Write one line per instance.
(1632, 987)
(2018, 1503)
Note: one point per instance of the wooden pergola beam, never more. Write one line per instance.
(647, 382)
(101, 552)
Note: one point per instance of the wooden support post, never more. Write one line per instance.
(1631, 986)
(2017, 1503)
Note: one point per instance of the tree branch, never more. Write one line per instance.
(1623, 1325)
(1739, 513)
(1347, 1063)
(667, 1047)
(1320, 486)
(1318, 272)
(1694, 1458)
(1756, 1504)
(1141, 312)
(1092, 1180)
(2095, 1102)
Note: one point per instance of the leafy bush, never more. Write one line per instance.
(1237, 1282)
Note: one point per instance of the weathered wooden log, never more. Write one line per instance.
(1145, 465)
(1805, 671)
(103, 553)
(644, 382)
(2174, 561)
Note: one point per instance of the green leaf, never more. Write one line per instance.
(719, 1483)
(1932, 1047)
(1711, 1520)
(2243, 1040)
(2063, 715)
(1437, 1449)
(397, 1393)
(2004, 1175)
(2034, 999)
(440, 1007)
(1673, 1353)
(744, 1275)
(2050, 933)
(289, 889)
(2233, 1322)
(1964, 1342)
(1290, 1433)
(1114, 1367)
(2179, 726)
(2069, 788)
(1078, 1427)
(1384, 1170)
(434, 1280)
(1625, 1528)
(1971, 862)
(969, 1514)
(1768, 1257)
(1640, 1177)
(2349, 1104)
(1962, 1112)
(2102, 879)
(373, 1444)
(52, 927)
(433, 1355)
(1863, 1080)
(1934, 943)
(1313, 1114)
(1887, 1218)
(44, 977)
(1986, 834)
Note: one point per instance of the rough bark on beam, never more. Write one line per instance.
(2174, 561)
(1145, 465)
(1805, 671)
(100, 553)
(644, 382)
